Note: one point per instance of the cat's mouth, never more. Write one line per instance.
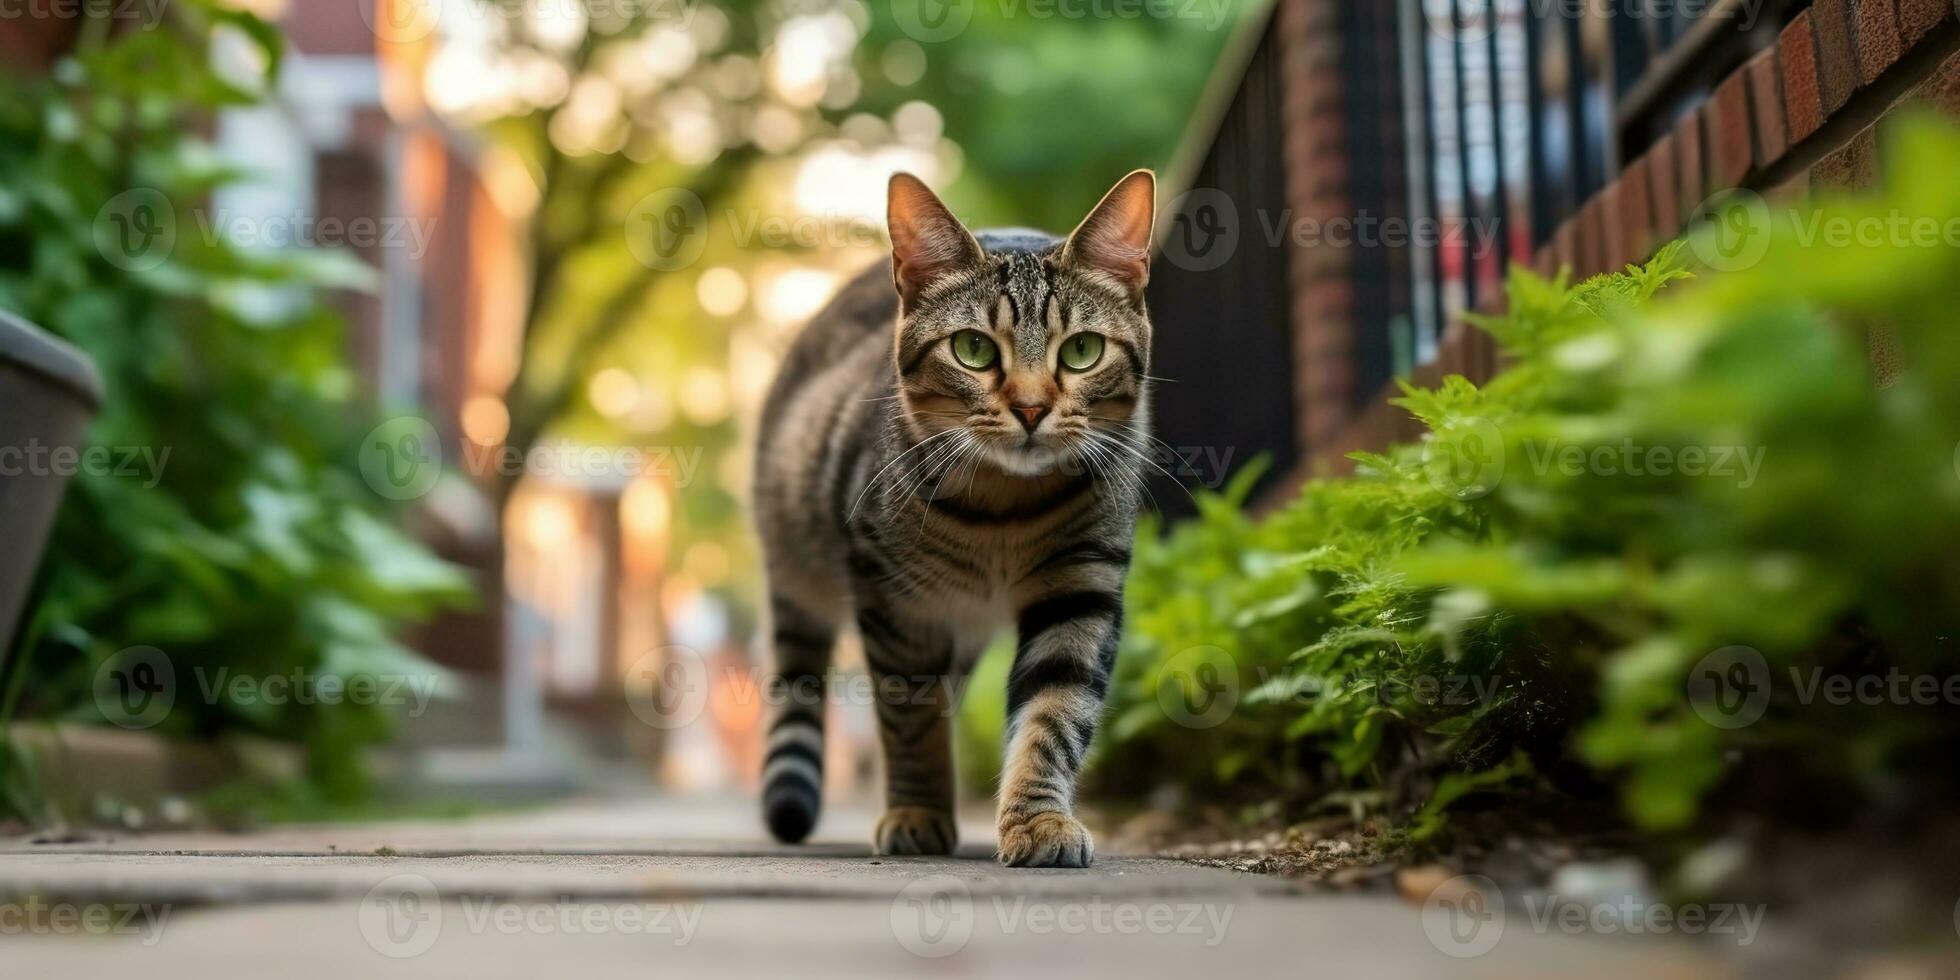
(1032, 454)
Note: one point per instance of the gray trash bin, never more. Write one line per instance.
(48, 393)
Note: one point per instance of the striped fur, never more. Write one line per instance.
(908, 495)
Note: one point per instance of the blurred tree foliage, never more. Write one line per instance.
(1749, 515)
(253, 546)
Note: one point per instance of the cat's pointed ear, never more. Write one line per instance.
(928, 243)
(1114, 240)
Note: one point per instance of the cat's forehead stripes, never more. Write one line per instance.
(1026, 282)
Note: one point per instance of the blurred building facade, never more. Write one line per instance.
(568, 586)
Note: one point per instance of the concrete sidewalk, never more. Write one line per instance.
(691, 886)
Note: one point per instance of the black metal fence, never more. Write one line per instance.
(1524, 109)
(1219, 295)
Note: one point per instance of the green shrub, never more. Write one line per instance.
(254, 546)
(1479, 593)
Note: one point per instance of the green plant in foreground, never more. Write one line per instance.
(1662, 472)
(253, 546)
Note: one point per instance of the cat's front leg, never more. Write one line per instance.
(912, 668)
(1054, 698)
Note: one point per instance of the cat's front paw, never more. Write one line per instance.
(905, 830)
(1047, 840)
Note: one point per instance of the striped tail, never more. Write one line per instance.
(792, 779)
(792, 776)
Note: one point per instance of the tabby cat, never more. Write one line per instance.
(942, 459)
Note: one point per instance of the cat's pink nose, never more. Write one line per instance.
(1031, 415)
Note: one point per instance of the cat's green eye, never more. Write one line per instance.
(1081, 351)
(975, 349)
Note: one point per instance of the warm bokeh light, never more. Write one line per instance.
(485, 420)
(751, 368)
(808, 49)
(704, 396)
(548, 521)
(614, 392)
(654, 412)
(791, 295)
(560, 26)
(644, 509)
(918, 124)
(839, 182)
(722, 291)
(776, 128)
